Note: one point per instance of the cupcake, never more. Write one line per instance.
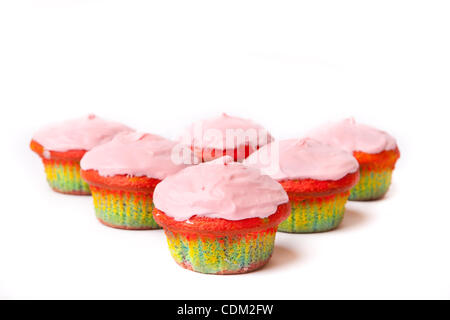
(220, 217)
(375, 150)
(225, 135)
(316, 177)
(62, 145)
(122, 175)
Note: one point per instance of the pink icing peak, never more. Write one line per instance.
(301, 142)
(212, 133)
(134, 154)
(219, 189)
(302, 159)
(78, 134)
(352, 136)
(351, 120)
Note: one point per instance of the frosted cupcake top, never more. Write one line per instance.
(225, 132)
(352, 136)
(219, 189)
(295, 159)
(78, 134)
(134, 154)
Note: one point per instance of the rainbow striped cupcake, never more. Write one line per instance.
(122, 175)
(316, 177)
(225, 135)
(220, 217)
(61, 147)
(375, 150)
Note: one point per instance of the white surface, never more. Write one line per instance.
(287, 65)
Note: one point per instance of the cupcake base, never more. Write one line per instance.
(64, 176)
(249, 269)
(215, 254)
(129, 210)
(372, 185)
(317, 214)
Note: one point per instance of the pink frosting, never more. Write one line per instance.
(134, 154)
(302, 159)
(225, 132)
(78, 134)
(219, 189)
(352, 136)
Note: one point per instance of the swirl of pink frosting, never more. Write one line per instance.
(295, 159)
(225, 132)
(134, 154)
(78, 134)
(219, 189)
(352, 136)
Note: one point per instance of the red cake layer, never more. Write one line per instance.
(219, 226)
(71, 155)
(306, 188)
(207, 154)
(378, 161)
(121, 182)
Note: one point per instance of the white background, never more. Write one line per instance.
(289, 65)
